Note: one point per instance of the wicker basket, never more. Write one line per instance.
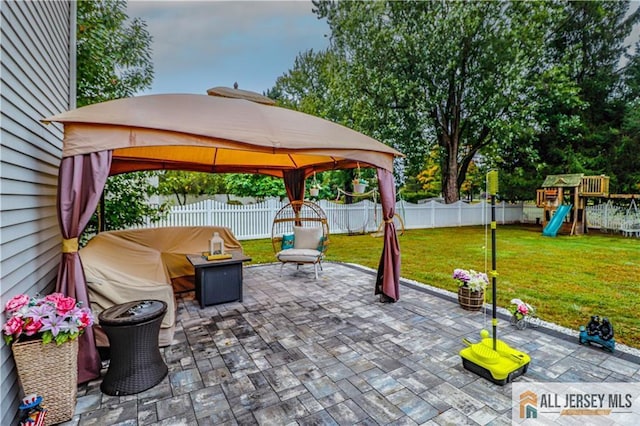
(470, 300)
(50, 371)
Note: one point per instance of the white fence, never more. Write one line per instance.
(253, 221)
(606, 217)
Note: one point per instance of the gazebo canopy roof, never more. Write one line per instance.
(215, 134)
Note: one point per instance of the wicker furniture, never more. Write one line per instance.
(136, 363)
(50, 371)
(218, 281)
(305, 225)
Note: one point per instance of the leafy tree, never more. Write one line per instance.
(583, 110)
(451, 74)
(114, 61)
(125, 203)
(113, 54)
(474, 182)
(626, 155)
(311, 86)
(255, 185)
(180, 184)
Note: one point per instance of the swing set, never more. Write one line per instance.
(631, 223)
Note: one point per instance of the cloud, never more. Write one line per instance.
(198, 45)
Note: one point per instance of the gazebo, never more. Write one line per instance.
(231, 131)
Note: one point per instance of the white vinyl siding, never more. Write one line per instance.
(37, 80)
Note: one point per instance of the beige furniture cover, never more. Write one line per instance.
(122, 266)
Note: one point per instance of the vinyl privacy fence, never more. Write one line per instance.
(253, 221)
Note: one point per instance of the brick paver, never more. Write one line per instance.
(327, 352)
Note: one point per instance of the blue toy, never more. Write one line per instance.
(599, 332)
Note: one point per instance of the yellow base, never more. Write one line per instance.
(503, 363)
(208, 256)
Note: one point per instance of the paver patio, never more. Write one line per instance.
(324, 352)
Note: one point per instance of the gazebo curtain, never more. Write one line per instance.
(81, 179)
(388, 277)
(294, 184)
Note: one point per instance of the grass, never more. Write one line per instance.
(567, 278)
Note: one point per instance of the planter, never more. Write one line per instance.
(50, 371)
(359, 188)
(314, 192)
(470, 300)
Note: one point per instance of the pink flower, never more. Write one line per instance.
(55, 317)
(54, 297)
(523, 309)
(65, 304)
(17, 302)
(32, 327)
(86, 318)
(13, 326)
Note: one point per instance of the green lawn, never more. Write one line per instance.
(567, 278)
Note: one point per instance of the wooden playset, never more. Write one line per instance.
(564, 199)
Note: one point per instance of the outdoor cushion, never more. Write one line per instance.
(306, 238)
(287, 241)
(299, 255)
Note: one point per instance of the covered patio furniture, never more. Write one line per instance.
(209, 134)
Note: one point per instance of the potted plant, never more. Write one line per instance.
(43, 334)
(471, 288)
(315, 189)
(359, 184)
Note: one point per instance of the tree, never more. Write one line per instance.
(451, 74)
(585, 108)
(312, 86)
(113, 55)
(474, 182)
(255, 185)
(114, 61)
(180, 184)
(125, 203)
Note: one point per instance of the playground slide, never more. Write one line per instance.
(551, 230)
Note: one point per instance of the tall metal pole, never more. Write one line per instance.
(492, 178)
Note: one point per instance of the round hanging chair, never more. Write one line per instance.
(300, 234)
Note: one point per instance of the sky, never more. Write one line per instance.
(198, 45)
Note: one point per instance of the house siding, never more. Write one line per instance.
(37, 80)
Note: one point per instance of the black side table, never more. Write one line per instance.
(136, 363)
(218, 281)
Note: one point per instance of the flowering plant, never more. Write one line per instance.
(474, 281)
(520, 309)
(359, 181)
(55, 317)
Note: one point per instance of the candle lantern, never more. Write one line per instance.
(216, 244)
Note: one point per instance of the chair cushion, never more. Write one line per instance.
(321, 244)
(299, 255)
(287, 241)
(306, 238)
